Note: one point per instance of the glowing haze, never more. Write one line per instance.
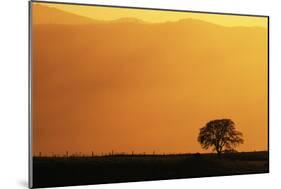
(141, 80)
(152, 16)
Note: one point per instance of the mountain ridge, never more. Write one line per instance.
(73, 19)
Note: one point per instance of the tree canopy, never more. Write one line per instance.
(220, 135)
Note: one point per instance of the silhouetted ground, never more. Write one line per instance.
(51, 171)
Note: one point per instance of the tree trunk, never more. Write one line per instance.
(219, 153)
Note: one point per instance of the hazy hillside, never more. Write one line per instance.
(47, 15)
(106, 80)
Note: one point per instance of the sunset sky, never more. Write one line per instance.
(152, 16)
(101, 85)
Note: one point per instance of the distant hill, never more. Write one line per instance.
(49, 15)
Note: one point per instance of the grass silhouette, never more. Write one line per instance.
(112, 168)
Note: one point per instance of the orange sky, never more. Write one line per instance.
(125, 86)
(152, 16)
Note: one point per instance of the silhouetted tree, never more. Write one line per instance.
(220, 135)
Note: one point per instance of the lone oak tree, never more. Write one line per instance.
(220, 135)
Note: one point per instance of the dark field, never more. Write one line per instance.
(61, 171)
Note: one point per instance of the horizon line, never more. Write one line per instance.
(80, 154)
(56, 4)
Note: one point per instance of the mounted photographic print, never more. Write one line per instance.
(122, 94)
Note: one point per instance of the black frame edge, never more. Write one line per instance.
(30, 162)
